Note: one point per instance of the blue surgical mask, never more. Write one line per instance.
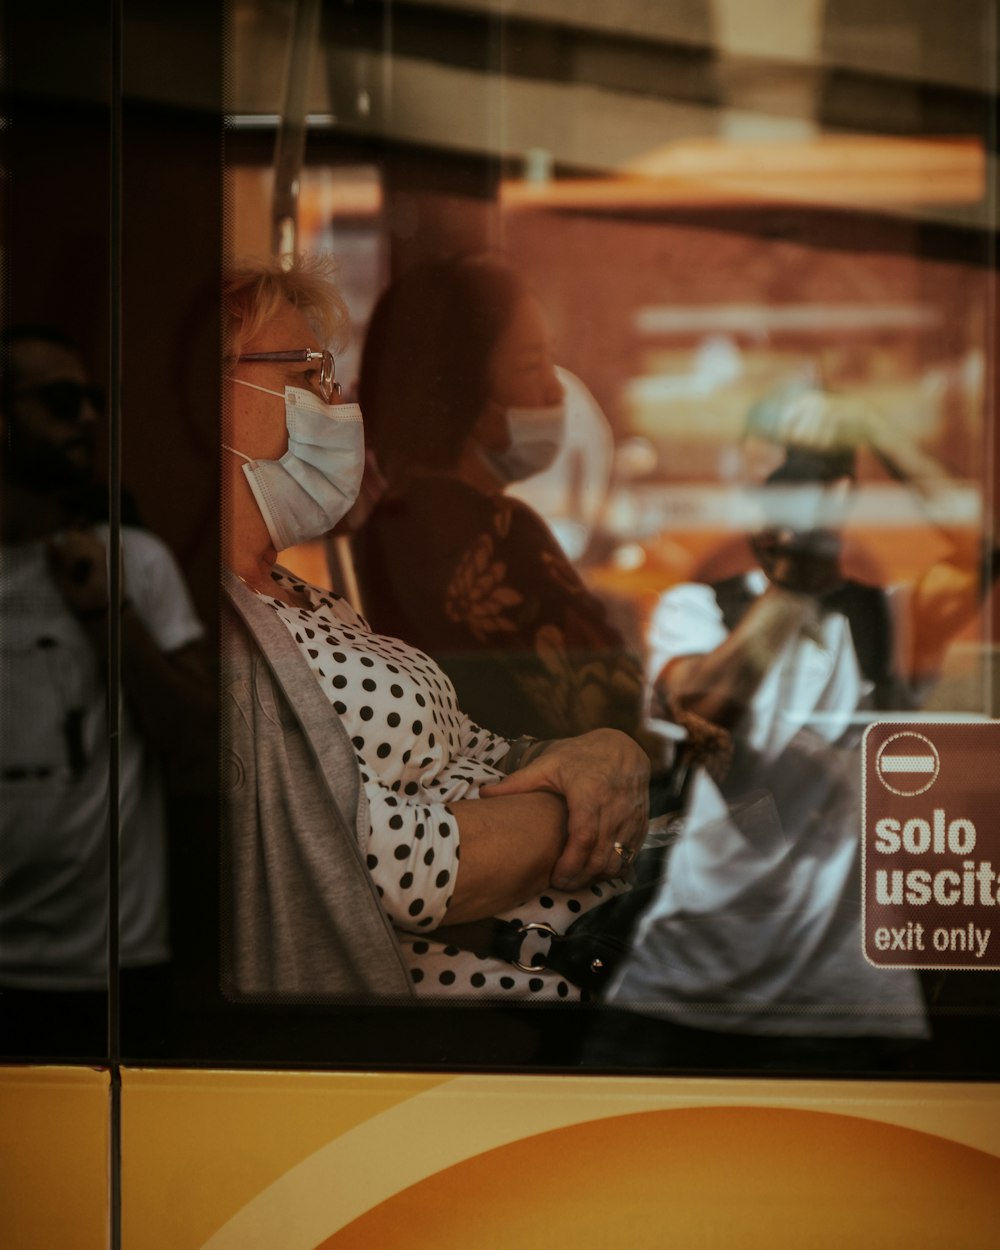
(536, 435)
(314, 484)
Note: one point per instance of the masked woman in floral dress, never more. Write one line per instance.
(461, 398)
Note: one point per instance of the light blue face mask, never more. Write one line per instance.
(536, 437)
(314, 484)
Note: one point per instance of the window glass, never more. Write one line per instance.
(59, 490)
(757, 259)
(670, 328)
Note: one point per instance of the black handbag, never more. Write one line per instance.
(593, 946)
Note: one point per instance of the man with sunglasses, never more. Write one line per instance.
(55, 755)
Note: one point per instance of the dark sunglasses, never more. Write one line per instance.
(65, 399)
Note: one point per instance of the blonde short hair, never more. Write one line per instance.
(254, 292)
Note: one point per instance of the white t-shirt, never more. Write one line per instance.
(54, 774)
(757, 927)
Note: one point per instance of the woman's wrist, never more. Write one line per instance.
(523, 750)
(537, 748)
(514, 758)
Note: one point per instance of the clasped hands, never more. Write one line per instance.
(603, 776)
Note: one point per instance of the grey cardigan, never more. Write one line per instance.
(302, 918)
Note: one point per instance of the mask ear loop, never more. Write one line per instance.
(253, 386)
(226, 447)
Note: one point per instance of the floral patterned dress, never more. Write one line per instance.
(480, 584)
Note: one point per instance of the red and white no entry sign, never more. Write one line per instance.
(931, 845)
(908, 763)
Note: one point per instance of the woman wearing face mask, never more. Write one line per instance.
(364, 809)
(461, 398)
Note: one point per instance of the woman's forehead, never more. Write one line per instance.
(287, 330)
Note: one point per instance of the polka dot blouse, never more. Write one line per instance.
(417, 753)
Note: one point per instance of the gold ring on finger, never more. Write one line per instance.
(626, 855)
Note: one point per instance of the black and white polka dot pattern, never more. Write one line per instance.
(417, 753)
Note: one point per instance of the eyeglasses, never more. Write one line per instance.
(64, 400)
(328, 384)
